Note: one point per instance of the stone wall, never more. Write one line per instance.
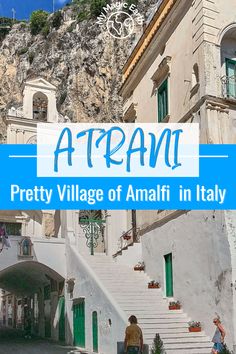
(202, 269)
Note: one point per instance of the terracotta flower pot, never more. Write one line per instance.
(127, 238)
(153, 286)
(139, 268)
(174, 307)
(195, 329)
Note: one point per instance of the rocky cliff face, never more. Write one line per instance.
(82, 61)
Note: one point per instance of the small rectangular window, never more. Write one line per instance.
(162, 96)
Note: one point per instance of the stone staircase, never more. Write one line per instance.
(129, 289)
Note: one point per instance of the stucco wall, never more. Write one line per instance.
(117, 223)
(201, 265)
(87, 285)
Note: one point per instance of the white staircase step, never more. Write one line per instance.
(130, 289)
(182, 336)
(189, 351)
(188, 339)
(188, 346)
(143, 292)
(163, 316)
(164, 321)
(168, 326)
(169, 331)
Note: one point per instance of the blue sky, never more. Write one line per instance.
(25, 7)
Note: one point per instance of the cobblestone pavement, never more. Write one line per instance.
(13, 342)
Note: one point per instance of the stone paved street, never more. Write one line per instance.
(13, 342)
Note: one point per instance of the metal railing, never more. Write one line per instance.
(16, 112)
(127, 239)
(229, 86)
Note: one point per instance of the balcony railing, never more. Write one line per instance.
(16, 112)
(127, 239)
(229, 86)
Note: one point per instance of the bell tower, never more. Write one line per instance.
(39, 105)
(39, 102)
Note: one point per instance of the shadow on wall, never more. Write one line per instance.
(120, 348)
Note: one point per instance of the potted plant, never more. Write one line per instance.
(153, 285)
(140, 266)
(157, 347)
(194, 326)
(174, 305)
(126, 237)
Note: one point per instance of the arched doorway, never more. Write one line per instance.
(36, 291)
(40, 106)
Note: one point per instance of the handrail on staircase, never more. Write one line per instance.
(127, 239)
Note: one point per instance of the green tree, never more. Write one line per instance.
(57, 19)
(157, 347)
(132, 2)
(97, 6)
(6, 25)
(46, 30)
(38, 21)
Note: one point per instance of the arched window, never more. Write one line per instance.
(228, 63)
(40, 106)
(26, 247)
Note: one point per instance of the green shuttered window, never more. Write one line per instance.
(231, 75)
(162, 96)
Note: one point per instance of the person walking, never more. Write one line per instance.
(133, 337)
(4, 237)
(219, 337)
(28, 324)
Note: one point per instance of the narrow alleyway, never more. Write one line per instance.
(13, 342)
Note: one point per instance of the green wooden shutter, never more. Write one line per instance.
(169, 275)
(61, 305)
(95, 331)
(163, 102)
(79, 324)
(231, 74)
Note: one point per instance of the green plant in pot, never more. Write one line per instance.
(158, 346)
(225, 350)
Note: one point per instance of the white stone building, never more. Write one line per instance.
(83, 299)
(181, 70)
